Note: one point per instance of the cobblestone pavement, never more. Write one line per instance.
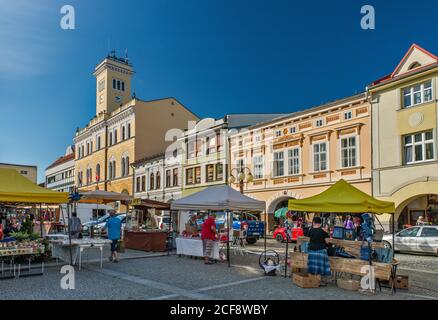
(173, 277)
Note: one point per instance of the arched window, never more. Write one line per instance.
(123, 133)
(158, 180)
(414, 65)
(129, 130)
(114, 169)
(97, 172)
(110, 140)
(152, 182)
(123, 167)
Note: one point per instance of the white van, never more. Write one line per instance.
(86, 211)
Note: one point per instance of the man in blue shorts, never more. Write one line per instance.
(114, 227)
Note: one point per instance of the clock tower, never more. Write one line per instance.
(113, 83)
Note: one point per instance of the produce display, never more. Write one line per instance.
(14, 248)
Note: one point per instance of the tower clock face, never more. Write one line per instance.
(119, 99)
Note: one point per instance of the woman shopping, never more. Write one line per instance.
(318, 261)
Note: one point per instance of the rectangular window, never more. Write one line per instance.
(319, 123)
(278, 164)
(219, 171)
(320, 156)
(191, 149)
(138, 184)
(189, 176)
(114, 84)
(278, 133)
(258, 167)
(293, 161)
(348, 115)
(257, 138)
(240, 164)
(168, 179)
(292, 130)
(417, 94)
(348, 152)
(175, 177)
(143, 183)
(418, 147)
(198, 175)
(210, 173)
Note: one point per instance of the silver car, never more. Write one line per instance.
(421, 239)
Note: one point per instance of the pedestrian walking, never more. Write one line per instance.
(114, 228)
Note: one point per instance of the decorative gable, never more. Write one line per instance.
(415, 58)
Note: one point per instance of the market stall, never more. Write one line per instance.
(216, 198)
(24, 244)
(350, 256)
(142, 231)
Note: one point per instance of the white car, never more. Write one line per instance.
(421, 239)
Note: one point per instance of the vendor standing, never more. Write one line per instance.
(318, 261)
(208, 236)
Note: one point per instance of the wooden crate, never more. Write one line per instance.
(306, 280)
(400, 282)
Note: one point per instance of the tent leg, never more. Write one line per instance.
(228, 240)
(69, 234)
(266, 225)
(393, 235)
(287, 249)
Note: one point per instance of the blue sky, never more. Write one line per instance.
(215, 56)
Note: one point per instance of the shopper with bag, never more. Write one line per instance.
(114, 226)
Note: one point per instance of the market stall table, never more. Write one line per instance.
(193, 247)
(61, 248)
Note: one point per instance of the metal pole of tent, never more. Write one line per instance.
(41, 220)
(69, 235)
(228, 240)
(393, 235)
(287, 248)
(264, 229)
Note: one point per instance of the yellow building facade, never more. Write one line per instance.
(405, 117)
(304, 153)
(124, 130)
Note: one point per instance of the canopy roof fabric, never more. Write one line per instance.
(218, 198)
(343, 198)
(100, 196)
(152, 204)
(15, 188)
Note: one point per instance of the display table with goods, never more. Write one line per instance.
(61, 248)
(13, 252)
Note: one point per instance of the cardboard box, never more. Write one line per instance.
(306, 280)
(348, 284)
(400, 282)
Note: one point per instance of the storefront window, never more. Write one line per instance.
(210, 173)
(198, 175)
(219, 171)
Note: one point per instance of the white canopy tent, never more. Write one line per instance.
(219, 198)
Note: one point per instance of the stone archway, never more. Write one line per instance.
(275, 202)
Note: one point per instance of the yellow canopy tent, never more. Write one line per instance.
(342, 198)
(17, 189)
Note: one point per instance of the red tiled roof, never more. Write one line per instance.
(61, 160)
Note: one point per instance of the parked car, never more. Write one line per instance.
(163, 222)
(98, 224)
(280, 234)
(421, 239)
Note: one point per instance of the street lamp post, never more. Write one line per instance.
(241, 174)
